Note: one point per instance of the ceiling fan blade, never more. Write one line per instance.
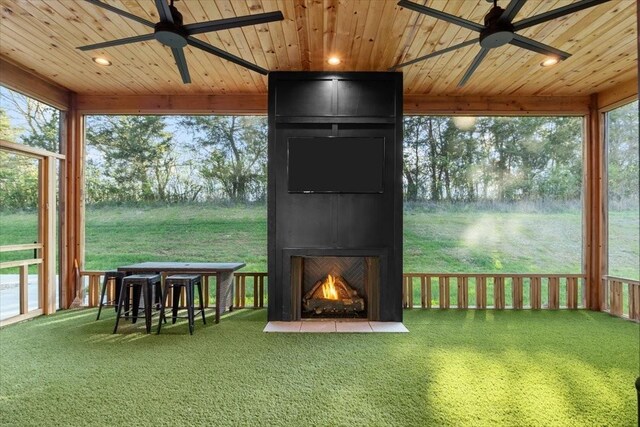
(163, 11)
(476, 61)
(181, 62)
(512, 10)
(240, 21)
(441, 15)
(556, 13)
(121, 12)
(118, 42)
(432, 54)
(225, 55)
(527, 43)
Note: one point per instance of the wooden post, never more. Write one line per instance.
(72, 230)
(594, 246)
(47, 231)
(24, 288)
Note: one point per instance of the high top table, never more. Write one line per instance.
(223, 271)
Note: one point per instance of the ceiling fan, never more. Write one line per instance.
(498, 30)
(171, 32)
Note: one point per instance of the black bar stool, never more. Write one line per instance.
(144, 284)
(177, 282)
(114, 277)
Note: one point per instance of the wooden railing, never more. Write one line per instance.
(498, 291)
(621, 297)
(92, 286)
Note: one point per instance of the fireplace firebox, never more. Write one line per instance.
(333, 286)
(335, 195)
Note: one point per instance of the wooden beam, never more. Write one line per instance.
(594, 247)
(27, 150)
(173, 104)
(618, 95)
(28, 83)
(487, 105)
(72, 224)
(257, 104)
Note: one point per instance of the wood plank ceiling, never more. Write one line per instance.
(369, 35)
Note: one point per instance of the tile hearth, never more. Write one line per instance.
(335, 326)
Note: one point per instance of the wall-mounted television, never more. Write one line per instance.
(335, 164)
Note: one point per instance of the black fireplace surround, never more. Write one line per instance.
(335, 220)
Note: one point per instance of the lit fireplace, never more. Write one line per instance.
(332, 295)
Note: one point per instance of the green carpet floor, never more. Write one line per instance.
(454, 368)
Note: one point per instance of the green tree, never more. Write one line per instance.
(18, 174)
(137, 157)
(232, 152)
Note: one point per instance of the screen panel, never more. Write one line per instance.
(335, 165)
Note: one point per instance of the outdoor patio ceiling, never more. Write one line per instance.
(42, 36)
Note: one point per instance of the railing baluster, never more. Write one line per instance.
(535, 293)
(634, 301)
(572, 293)
(463, 292)
(498, 292)
(443, 283)
(481, 292)
(616, 298)
(516, 292)
(554, 293)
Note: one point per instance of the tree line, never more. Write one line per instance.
(131, 159)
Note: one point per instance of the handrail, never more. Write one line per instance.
(23, 247)
(20, 263)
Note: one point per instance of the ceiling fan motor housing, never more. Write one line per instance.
(497, 32)
(171, 34)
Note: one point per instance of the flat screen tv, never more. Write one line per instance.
(335, 164)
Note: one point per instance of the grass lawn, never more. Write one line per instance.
(442, 240)
(458, 368)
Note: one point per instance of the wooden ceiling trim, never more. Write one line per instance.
(618, 95)
(496, 105)
(173, 104)
(257, 104)
(27, 83)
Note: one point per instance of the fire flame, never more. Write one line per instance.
(329, 290)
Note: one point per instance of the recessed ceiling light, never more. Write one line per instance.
(101, 61)
(334, 60)
(549, 61)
